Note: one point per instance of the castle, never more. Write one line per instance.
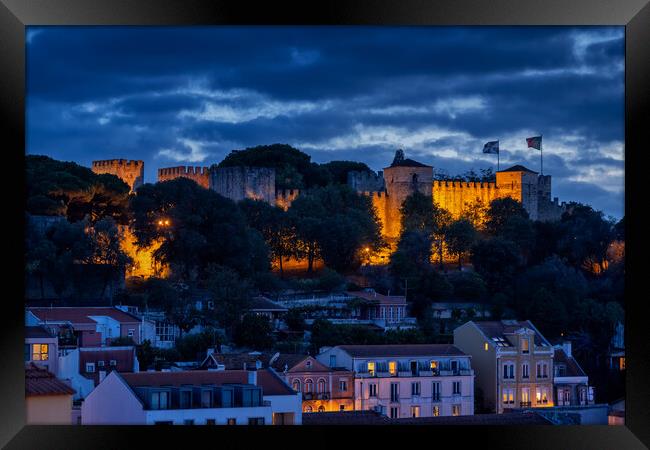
(387, 189)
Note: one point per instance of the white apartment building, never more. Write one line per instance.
(198, 397)
(423, 380)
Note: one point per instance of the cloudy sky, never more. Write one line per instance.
(188, 96)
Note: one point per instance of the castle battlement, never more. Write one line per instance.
(132, 163)
(437, 184)
(184, 171)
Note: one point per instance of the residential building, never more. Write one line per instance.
(617, 348)
(48, 400)
(570, 381)
(407, 380)
(386, 311)
(324, 389)
(262, 306)
(41, 347)
(513, 363)
(616, 414)
(197, 397)
(91, 326)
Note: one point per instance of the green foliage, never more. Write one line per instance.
(57, 188)
(468, 286)
(122, 341)
(254, 332)
(460, 236)
(500, 211)
(338, 170)
(231, 295)
(496, 260)
(204, 228)
(295, 320)
(193, 347)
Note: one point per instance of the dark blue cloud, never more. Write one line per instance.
(172, 95)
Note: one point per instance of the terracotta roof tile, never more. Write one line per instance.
(38, 381)
(82, 314)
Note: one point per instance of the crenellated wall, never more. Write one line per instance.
(201, 175)
(366, 181)
(238, 183)
(129, 171)
(454, 196)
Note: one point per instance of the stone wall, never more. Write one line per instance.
(238, 183)
(402, 181)
(366, 181)
(201, 175)
(129, 171)
(455, 196)
(285, 197)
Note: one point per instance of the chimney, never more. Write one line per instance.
(566, 346)
(252, 376)
(102, 375)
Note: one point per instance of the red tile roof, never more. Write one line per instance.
(402, 350)
(270, 383)
(38, 381)
(504, 328)
(573, 369)
(82, 314)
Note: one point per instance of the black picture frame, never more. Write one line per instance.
(16, 14)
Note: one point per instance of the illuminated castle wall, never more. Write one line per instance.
(201, 175)
(129, 171)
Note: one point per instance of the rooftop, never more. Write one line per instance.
(400, 161)
(261, 303)
(75, 314)
(270, 383)
(499, 331)
(401, 350)
(517, 168)
(573, 369)
(38, 381)
(374, 296)
(38, 332)
(512, 418)
(236, 361)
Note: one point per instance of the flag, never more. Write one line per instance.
(491, 147)
(534, 142)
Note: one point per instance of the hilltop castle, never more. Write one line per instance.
(387, 188)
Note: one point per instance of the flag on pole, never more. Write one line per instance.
(534, 142)
(491, 147)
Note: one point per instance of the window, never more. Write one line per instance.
(343, 385)
(508, 371)
(231, 421)
(414, 367)
(113, 362)
(621, 363)
(206, 399)
(210, 421)
(524, 371)
(456, 388)
(160, 400)
(541, 395)
(394, 392)
(100, 363)
(415, 388)
(435, 391)
(508, 396)
(455, 410)
(308, 364)
(309, 385)
(433, 365)
(296, 385)
(542, 370)
(394, 412)
(341, 407)
(454, 366)
(392, 368)
(188, 422)
(321, 408)
(415, 411)
(90, 367)
(131, 332)
(186, 399)
(372, 390)
(501, 342)
(40, 352)
(321, 386)
(486, 346)
(436, 411)
(308, 409)
(371, 368)
(525, 397)
(332, 360)
(256, 421)
(524, 345)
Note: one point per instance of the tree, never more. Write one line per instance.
(76, 192)
(198, 227)
(500, 211)
(107, 251)
(496, 260)
(460, 237)
(193, 347)
(476, 213)
(231, 295)
(295, 320)
(254, 332)
(338, 170)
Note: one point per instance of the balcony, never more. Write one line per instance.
(525, 404)
(322, 396)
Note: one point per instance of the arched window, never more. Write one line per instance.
(321, 408)
(321, 385)
(296, 385)
(309, 385)
(308, 409)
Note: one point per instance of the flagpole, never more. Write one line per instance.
(541, 153)
(498, 153)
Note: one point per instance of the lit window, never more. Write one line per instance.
(485, 346)
(308, 409)
(321, 408)
(415, 411)
(436, 411)
(455, 410)
(371, 368)
(524, 346)
(90, 367)
(231, 421)
(296, 385)
(40, 352)
(392, 367)
(621, 363)
(434, 365)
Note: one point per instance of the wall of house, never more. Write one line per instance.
(112, 403)
(201, 415)
(52, 363)
(471, 341)
(286, 404)
(49, 410)
(69, 371)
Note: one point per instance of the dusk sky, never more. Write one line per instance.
(189, 95)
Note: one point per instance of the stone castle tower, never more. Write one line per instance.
(129, 171)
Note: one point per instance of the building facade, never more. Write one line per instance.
(400, 381)
(48, 400)
(198, 397)
(571, 384)
(513, 363)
